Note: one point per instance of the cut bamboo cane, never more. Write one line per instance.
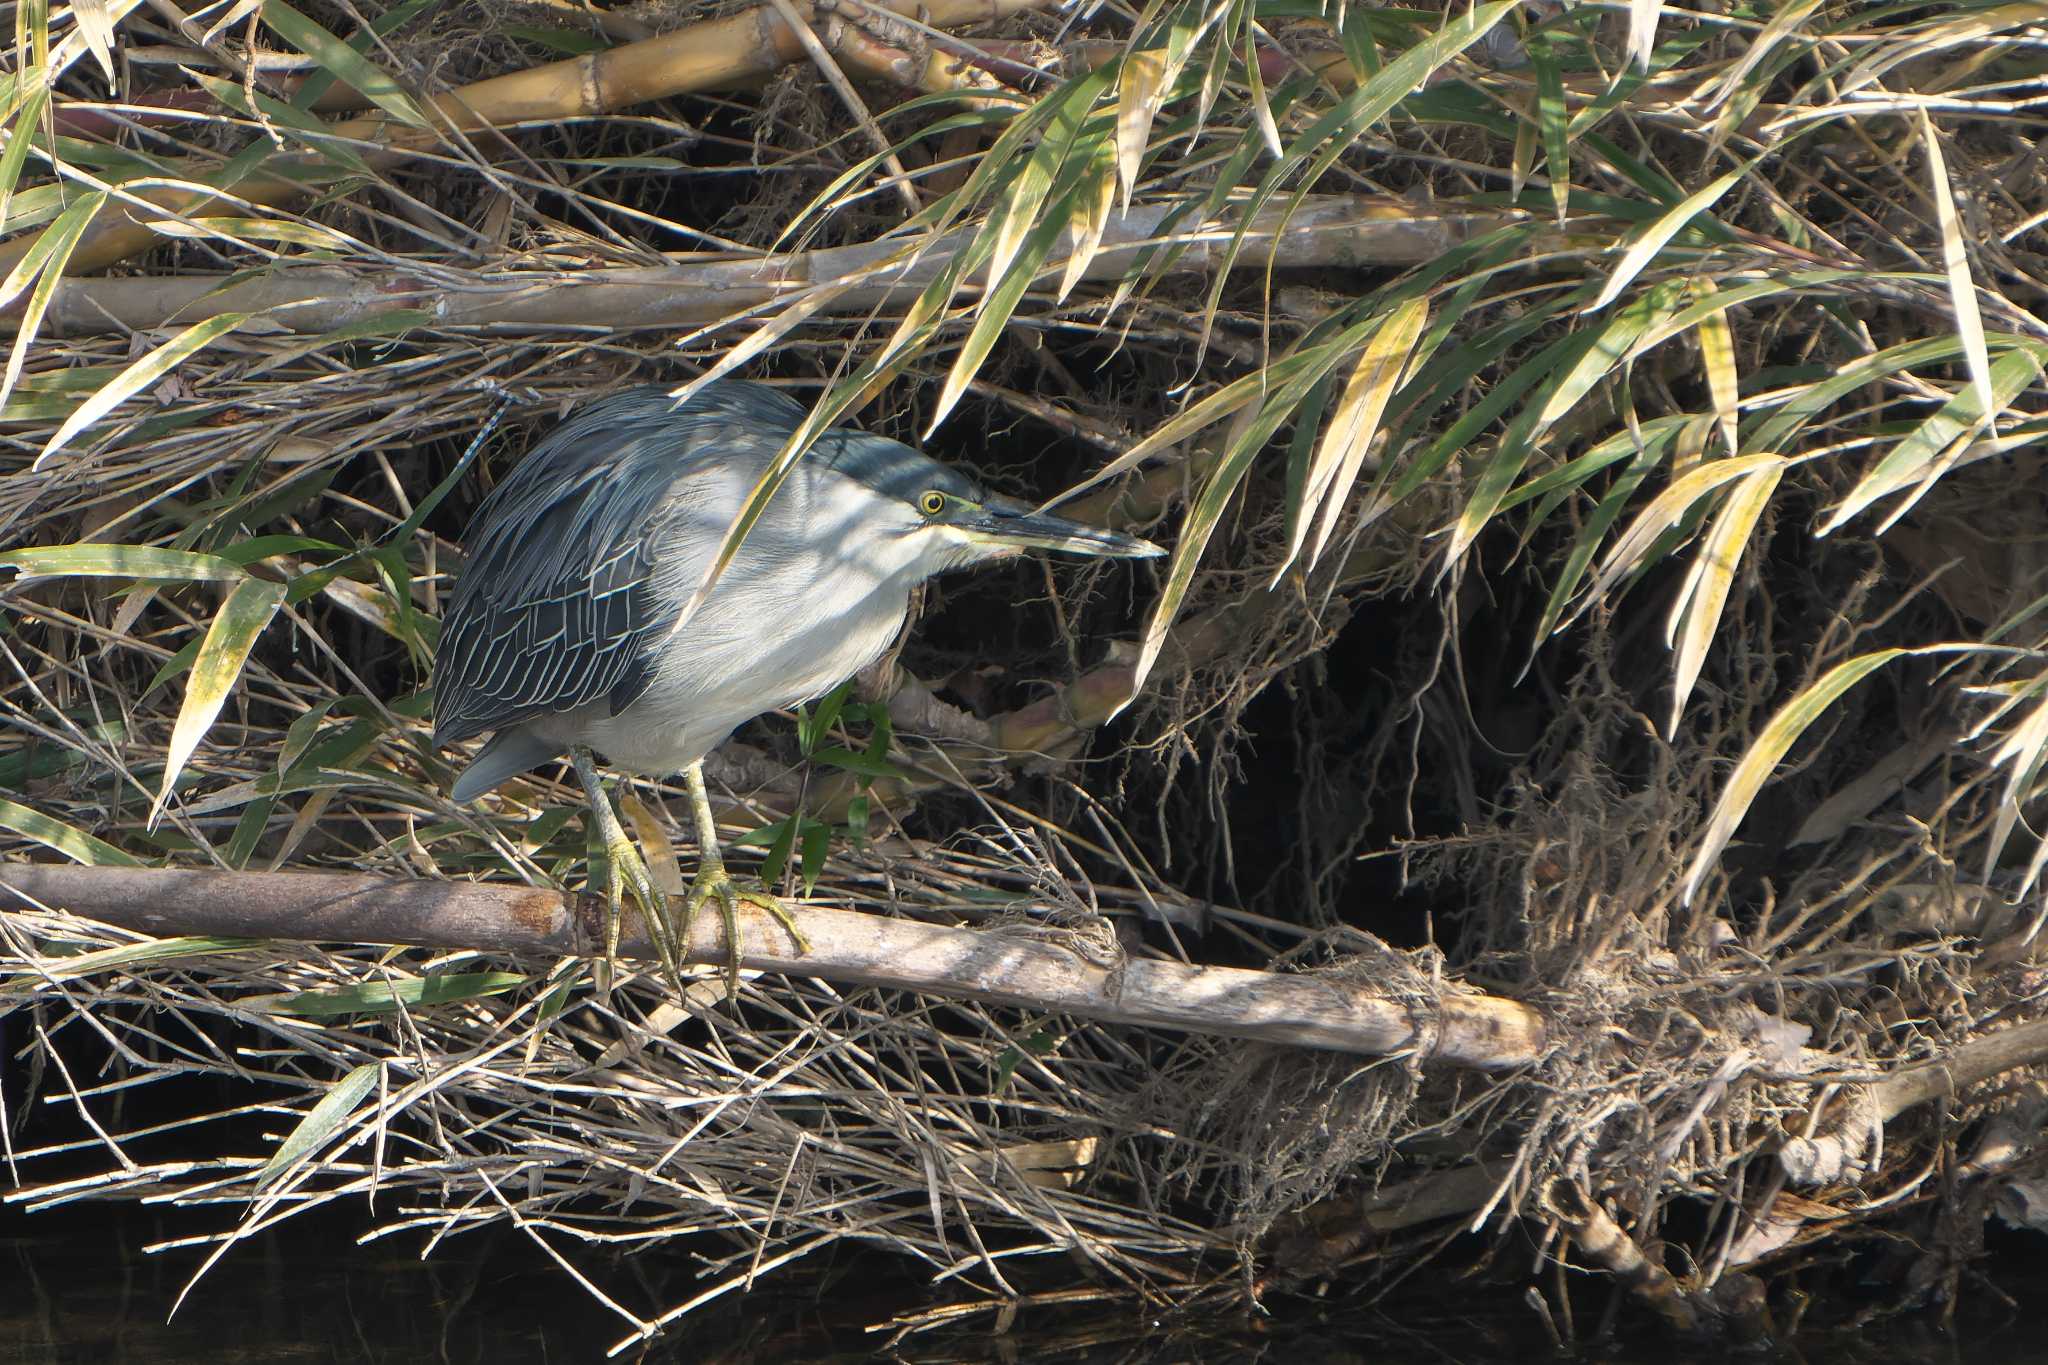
(714, 55)
(1031, 972)
(1333, 230)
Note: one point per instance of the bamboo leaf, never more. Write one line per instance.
(386, 997)
(1654, 238)
(1352, 428)
(51, 832)
(1955, 261)
(1921, 455)
(21, 135)
(95, 24)
(1141, 89)
(1771, 745)
(123, 561)
(1697, 614)
(1717, 356)
(1642, 31)
(344, 63)
(321, 1123)
(138, 376)
(2022, 753)
(249, 606)
(998, 305)
(147, 953)
(51, 252)
(1667, 510)
(1087, 219)
(1551, 118)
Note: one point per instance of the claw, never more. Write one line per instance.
(627, 870)
(713, 882)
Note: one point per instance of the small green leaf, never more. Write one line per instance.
(778, 851)
(814, 723)
(817, 842)
(321, 1123)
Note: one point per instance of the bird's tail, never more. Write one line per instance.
(508, 754)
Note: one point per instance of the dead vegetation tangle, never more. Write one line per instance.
(1600, 451)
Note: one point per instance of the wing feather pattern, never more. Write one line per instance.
(554, 609)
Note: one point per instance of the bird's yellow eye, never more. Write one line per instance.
(932, 503)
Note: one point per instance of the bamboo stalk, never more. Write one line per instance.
(1331, 230)
(717, 54)
(1474, 1031)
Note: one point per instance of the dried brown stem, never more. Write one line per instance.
(1337, 230)
(988, 965)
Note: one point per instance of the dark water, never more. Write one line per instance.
(74, 1286)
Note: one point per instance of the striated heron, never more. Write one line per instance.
(562, 636)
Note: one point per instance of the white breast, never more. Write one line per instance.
(808, 602)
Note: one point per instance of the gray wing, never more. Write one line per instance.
(555, 608)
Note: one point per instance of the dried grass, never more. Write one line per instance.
(1698, 1039)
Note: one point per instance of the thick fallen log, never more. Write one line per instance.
(990, 965)
(1323, 231)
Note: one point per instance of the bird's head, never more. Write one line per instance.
(953, 521)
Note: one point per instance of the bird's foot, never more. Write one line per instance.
(625, 868)
(713, 882)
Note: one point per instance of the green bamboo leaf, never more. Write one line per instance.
(51, 832)
(1777, 429)
(148, 953)
(817, 843)
(1552, 118)
(344, 63)
(51, 252)
(1667, 510)
(1697, 614)
(779, 847)
(138, 376)
(1587, 542)
(21, 136)
(998, 305)
(386, 997)
(321, 1123)
(1352, 428)
(122, 561)
(1288, 385)
(1654, 238)
(1777, 737)
(1585, 359)
(1920, 456)
(249, 606)
(1955, 263)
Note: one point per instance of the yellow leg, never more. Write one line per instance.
(713, 880)
(626, 868)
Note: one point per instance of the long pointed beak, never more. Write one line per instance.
(1010, 525)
